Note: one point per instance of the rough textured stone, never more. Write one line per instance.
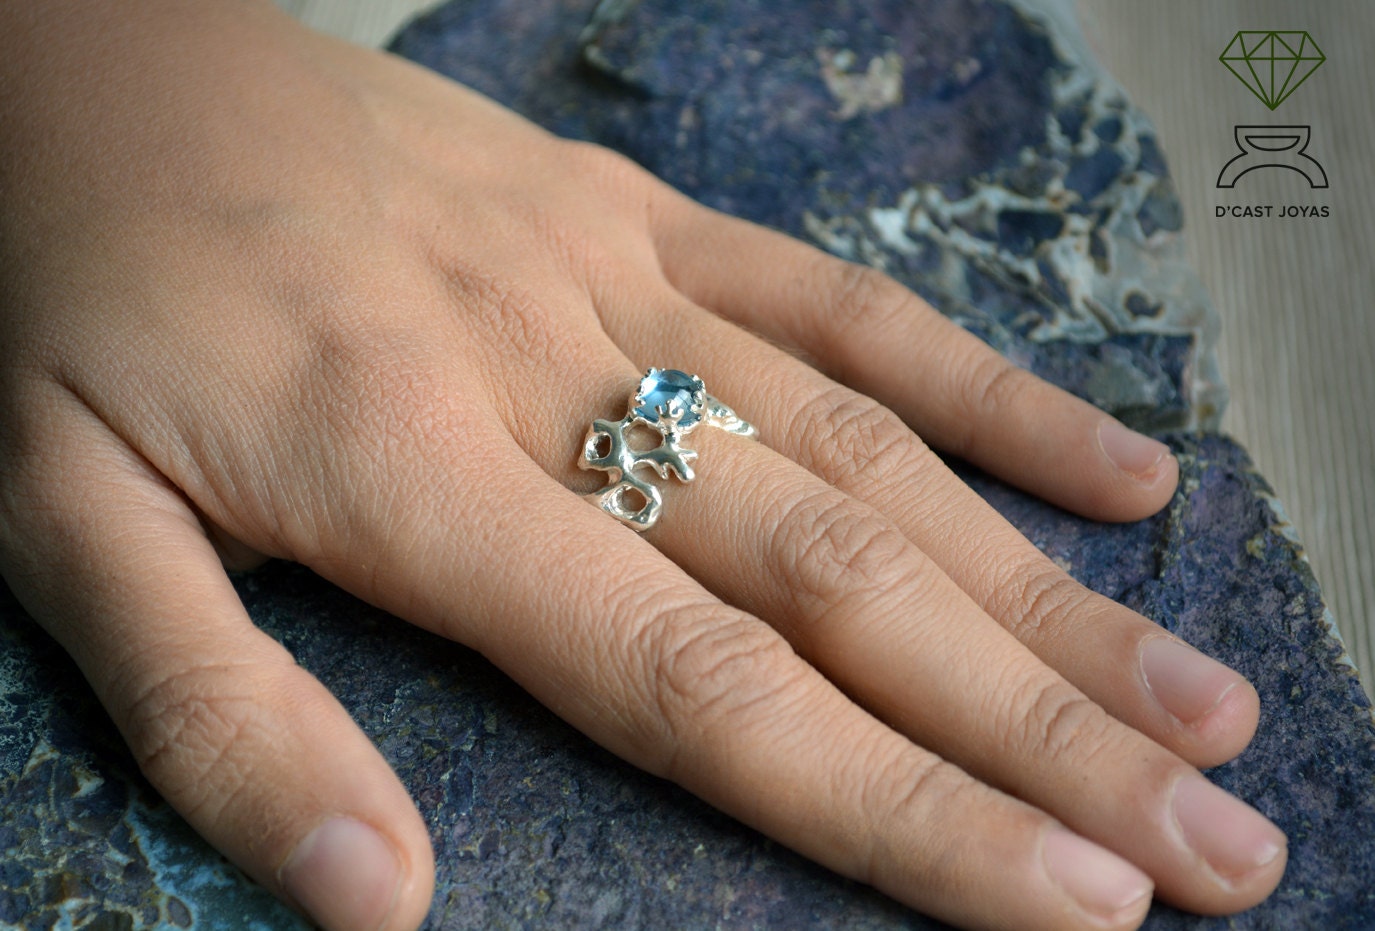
(972, 154)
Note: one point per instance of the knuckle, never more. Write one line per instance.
(1057, 725)
(1044, 599)
(629, 202)
(899, 789)
(194, 735)
(898, 795)
(382, 395)
(859, 296)
(995, 383)
(510, 314)
(850, 436)
(708, 672)
(626, 190)
(829, 546)
(992, 384)
(390, 459)
(360, 373)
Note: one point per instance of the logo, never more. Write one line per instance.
(1272, 65)
(1272, 147)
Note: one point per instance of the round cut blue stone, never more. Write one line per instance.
(663, 388)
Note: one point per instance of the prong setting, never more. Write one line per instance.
(672, 403)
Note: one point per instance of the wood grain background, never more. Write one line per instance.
(1298, 325)
(1295, 296)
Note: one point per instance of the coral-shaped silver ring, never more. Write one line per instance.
(672, 404)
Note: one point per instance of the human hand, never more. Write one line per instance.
(267, 294)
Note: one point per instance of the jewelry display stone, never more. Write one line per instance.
(971, 149)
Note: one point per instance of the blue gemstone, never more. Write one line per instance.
(659, 388)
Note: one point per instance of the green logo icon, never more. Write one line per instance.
(1272, 64)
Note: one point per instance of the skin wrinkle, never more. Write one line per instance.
(198, 729)
(903, 791)
(829, 547)
(620, 601)
(928, 491)
(686, 674)
(862, 434)
(939, 786)
(1061, 725)
(1042, 595)
(992, 384)
(862, 299)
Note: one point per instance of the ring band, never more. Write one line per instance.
(673, 404)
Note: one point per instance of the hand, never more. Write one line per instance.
(265, 294)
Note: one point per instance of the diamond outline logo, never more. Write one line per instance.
(1267, 61)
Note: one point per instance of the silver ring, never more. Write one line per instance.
(673, 404)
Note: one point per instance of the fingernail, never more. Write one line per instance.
(1100, 881)
(345, 875)
(1187, 683)
(1232, 836)
(1130, 451)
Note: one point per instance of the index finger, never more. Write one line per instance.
(867, 331)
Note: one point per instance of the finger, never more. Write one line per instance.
(1159, 685)
(247, 746)
(618, 641)
(860, 602)
(870, 333)
(871, 612)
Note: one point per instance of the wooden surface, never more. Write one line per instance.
(1295, 296)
